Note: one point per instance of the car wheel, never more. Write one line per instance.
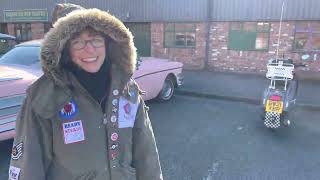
(167, 90)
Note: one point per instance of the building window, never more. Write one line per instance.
(179, 35)
(249, 36)
(307, 36)
(23, 31)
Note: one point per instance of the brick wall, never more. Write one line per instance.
(193, 58)
(11, 29)
(222, 59)
(37, 30)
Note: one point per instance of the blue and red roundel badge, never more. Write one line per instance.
(69, 110)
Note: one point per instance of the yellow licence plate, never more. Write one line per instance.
(274, 106)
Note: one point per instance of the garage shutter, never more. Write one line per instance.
(142, 37)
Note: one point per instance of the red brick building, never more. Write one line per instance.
(249, 55)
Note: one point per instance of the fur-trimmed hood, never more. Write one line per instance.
(122, 50)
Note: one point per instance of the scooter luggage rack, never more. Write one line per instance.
(279, 72)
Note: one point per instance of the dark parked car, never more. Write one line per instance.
(7, 42)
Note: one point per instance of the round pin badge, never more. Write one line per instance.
(114, 155)
(114, 109)
(114, 136)
(113, 119)
(68, 111)
(113, 146)
(115, 92)
(115, 102)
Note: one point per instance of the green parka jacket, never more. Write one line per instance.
(62, 132)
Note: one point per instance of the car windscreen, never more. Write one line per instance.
(22, 55)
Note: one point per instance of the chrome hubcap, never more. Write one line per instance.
(167, 89)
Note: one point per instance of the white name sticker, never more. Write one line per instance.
(127, 113)
(73, 132)
(14, 173)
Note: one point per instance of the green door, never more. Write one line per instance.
(142, 37)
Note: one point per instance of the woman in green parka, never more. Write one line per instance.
(84, 119)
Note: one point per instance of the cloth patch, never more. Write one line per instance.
(17, 151)
(127, 113)
(69, 110)
(14, 173)
(73, 132)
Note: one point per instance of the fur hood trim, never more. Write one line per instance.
(122, 50)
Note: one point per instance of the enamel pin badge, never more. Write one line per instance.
(69, 110)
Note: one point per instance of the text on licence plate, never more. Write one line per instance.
(274, 106)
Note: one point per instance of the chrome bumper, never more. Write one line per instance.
(180, 79)
(7, 124)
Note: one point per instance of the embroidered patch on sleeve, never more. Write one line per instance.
(73, 132)
(127, 113)
(17, 151)
(14, 173)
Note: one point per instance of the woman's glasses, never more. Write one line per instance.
(80, 44)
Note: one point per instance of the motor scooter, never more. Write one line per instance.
(279, 97)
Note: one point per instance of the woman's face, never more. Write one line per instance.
(88, 51)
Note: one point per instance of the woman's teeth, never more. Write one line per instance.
(89, 59)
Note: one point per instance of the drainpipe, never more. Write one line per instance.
(208, 21)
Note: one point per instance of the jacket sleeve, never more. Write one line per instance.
(31, 152)
(145, 153)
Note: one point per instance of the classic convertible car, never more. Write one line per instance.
(21, 66)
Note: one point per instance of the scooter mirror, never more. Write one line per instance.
(305, 57)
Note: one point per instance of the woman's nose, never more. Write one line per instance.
(89, 47)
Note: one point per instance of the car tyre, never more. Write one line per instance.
(167, 90)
